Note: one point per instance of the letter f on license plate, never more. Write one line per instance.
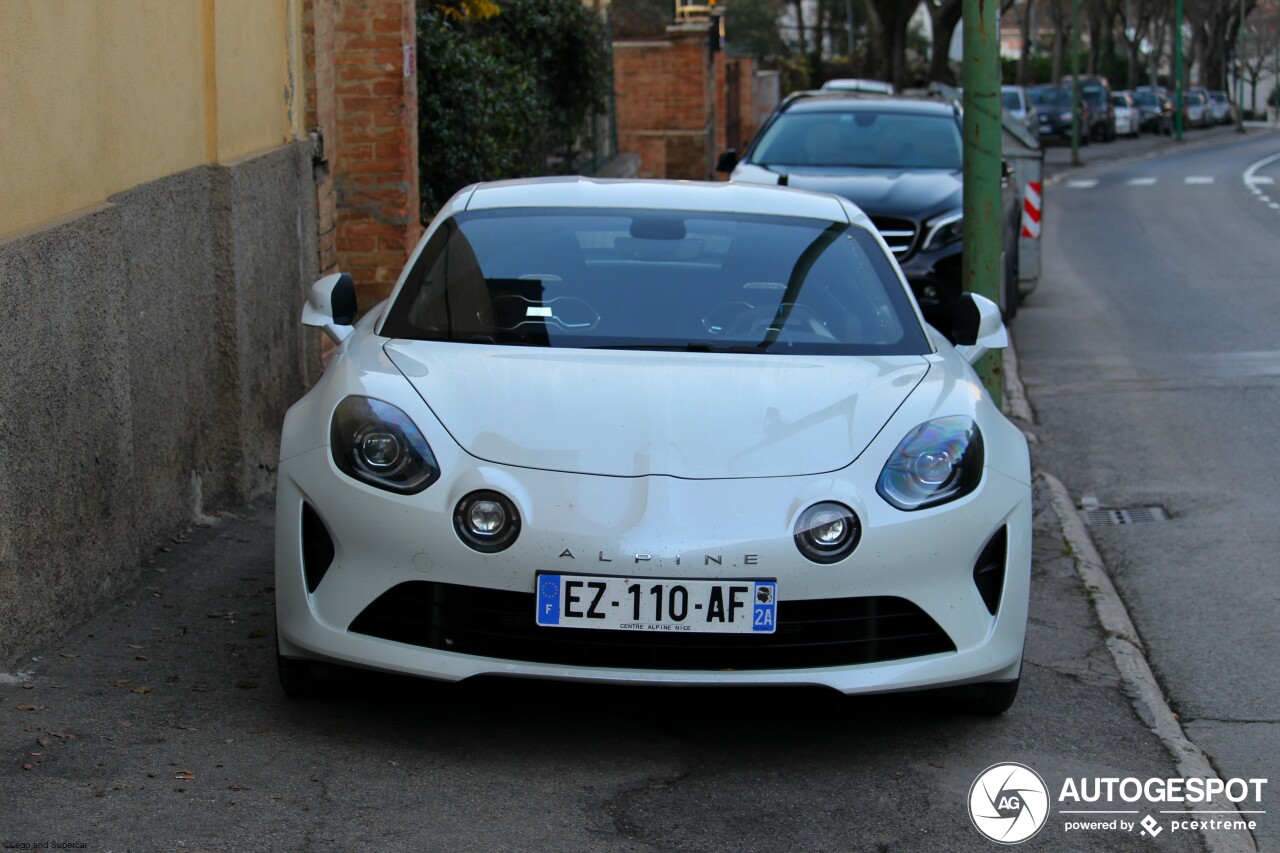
(677, 605)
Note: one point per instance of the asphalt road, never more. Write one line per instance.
(1152, 359)
(158, 723)
(159, 726)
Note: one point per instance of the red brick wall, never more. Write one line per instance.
(374, 149)
(665, 95)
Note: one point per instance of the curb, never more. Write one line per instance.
(1122, 637)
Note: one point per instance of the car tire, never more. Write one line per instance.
(298, 678)
(305, 679)
(1009, 288)
(987, 700)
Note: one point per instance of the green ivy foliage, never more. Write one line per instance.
(498, 95)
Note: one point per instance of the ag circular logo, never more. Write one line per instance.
(1008, 803)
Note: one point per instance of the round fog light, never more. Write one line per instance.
(827, 532)
(486, 521)
(486, 518)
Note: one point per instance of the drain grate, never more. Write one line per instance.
(1136, 515)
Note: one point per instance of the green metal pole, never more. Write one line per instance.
(982, 165)
(1075, 84)
(1177, 71)
(1240, 72)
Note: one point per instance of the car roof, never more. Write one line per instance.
(841, 102)
(696, 196)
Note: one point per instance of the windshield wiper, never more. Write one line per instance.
(691, 346)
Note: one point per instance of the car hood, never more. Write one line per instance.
(909, 193)
(629, 413)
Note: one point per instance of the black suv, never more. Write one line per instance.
(897, 158)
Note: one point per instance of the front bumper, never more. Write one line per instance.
(384, 544)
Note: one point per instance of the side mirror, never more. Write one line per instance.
(728, 160)
(331, 306)
(978, 328)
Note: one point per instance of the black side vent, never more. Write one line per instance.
(988, 571)
(317, 548)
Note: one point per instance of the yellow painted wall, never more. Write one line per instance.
(97, 96)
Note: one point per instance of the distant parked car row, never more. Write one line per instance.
(1105, 114)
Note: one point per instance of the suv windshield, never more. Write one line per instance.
(647, 279)
(865, 138)
(1092, 93)
(1051, 96)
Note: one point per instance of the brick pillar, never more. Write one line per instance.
(375, 159)
(666, 95)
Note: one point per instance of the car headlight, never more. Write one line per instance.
(376, 443)
(1065, 117)
(938, 461)
(944, 229)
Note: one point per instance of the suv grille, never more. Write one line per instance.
(900, 234)
(499, 624)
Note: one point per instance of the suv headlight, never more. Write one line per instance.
(943, 229)
(938, 461)
(376, 443)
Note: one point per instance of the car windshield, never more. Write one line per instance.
(1010, 100)
(866, 138)
(1051, 97)
(1146, 99)
(648, 279)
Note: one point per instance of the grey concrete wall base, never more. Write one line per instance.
(150, 348)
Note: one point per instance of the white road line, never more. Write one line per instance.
(1198, 179)
(1141, 182)
(1082, 184)
(1252, 179)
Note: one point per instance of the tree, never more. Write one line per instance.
(944, 15)
(501, 90)
(888, 21)
(751, 27)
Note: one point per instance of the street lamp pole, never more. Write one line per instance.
(1240, 72)
(1177, 70)
(1075, 83)
(983, 159)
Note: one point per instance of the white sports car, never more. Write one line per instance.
(653, 432)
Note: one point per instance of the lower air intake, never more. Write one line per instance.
(500, 624)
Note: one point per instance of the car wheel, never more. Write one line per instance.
(987, 700)
(298, 678)
(1009, 286)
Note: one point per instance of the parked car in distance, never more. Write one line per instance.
(1128, 118)
(1017, 103)
(1156, 110)
(659, 433)
(1096, 92)
(1195, 108)
(899, 159)
(853, 84)
(1053, 107)
(1220, 107)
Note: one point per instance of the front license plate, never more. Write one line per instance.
(657, 604)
